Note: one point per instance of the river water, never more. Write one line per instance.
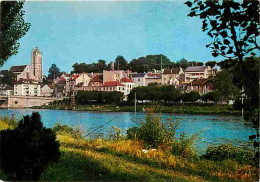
(213, 129)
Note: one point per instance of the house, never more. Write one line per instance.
(95, 83)
(6, 90)
(80, 80)
(27, 87)
(153, 78)
(113, 86)
(47, 90)
(172, 76)
(139, 78)
(215, 69)
(116, 75)
(202, 86)
(197, 72)
(129, 85)
(59, 85)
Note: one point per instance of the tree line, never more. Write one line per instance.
(142, 64)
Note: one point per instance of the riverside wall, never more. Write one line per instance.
(27, 101)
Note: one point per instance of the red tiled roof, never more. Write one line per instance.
(200, 81)
(74, 77)
(112, 84)
(97, 78)
(127, 80)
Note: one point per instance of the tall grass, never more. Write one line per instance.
(125, 160)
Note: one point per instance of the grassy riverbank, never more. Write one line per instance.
(175, 109)
(123, 160)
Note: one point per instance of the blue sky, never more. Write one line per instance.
(70, 32)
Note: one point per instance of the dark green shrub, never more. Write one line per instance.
(26, 150)
(191, 97)
(89, 97)
(65, 129)
(228, 151)
(153, 132)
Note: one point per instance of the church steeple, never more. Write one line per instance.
(36, 64)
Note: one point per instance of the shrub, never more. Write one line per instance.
(26, 150)
(184, 146)
(65, 129)
(191, 97)
(153, 132)
(228, 151)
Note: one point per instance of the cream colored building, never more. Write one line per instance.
(27, 87)
(82, 80)
(197, 72)
(47, 91)
(116, 75)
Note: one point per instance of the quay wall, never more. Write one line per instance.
(27, 101)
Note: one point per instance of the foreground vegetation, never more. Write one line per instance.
(123, 159)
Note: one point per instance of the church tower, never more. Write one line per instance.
(36, 64)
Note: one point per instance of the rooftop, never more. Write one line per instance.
(127, 80)
(196, 69)
(171, 71)
(138, 75)
(18, 68)
(97, 78)
(112, 84)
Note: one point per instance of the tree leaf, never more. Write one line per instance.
(188, 3)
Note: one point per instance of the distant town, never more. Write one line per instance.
(29, 81)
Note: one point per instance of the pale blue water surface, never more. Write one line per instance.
(216, 129)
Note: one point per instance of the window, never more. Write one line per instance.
(118, 88)
(139, 79)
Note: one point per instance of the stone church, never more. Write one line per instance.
(32, 71)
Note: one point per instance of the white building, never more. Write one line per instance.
(139, 79)
(129, 85)
(27, 87)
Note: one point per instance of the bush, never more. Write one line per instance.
(26, 150)
(89, 97)
(65, 129)
(227, 151)
(184, 147)
(191, 97)
(153, 132)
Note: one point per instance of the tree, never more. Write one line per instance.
(194, 63)
(223, 84)
(54, 72)
(26, 150)
(121, 63)
(13, 27)
(234, 27)
(183, 63)
(211, 63)
(8, 78)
